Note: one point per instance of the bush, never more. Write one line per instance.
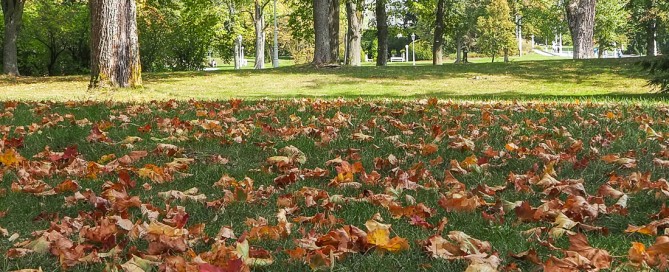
(423, 50)
(658, 68)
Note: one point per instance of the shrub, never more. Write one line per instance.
(658, 68)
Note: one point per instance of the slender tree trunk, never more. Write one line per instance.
(334, 29)
(438, 45)
(354, 45)
(382, 32)
(581, 18)
(506, 55)
(458, 50)
(12, 11)
(322, 32)
(259, 23)
(114, 44)
(231, 10)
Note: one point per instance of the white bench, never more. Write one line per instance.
(394, 59)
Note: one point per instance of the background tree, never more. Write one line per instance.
(610, 24)
(581, 19)
(177, 35)
(648, 19)
(56, 36)
(115, 58)
(354, 16)
(497, 30)
(259, 26)
(12, 11)
(382, 33)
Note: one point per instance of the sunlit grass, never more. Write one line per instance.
(533, 79)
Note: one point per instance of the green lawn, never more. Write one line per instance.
(530, 79)
(557, 157)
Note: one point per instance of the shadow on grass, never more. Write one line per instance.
(504, 96)
(540, 71)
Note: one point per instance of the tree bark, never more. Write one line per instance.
(12, 11)
(382, 32)
(354, 45)
(333, 15)
(581, 18)
(114, 44)
(506, 55)
(438, 45)
(259, 22)
(458, 50)
(322, 32)
(651, 31)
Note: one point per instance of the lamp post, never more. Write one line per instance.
(413, 44)
(275, 57)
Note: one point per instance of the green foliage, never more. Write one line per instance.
(611, 20)
(176, 34)
(497, 29)
(54, 38)
(423, 50)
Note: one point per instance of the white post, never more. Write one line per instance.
(406, 53)
(413, 44)
(560, 43)
(532, 41)
(275, 56)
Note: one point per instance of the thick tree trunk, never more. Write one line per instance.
(334, 29)
(259, 23)
(438, 45)
(322, 32)
(353, 45)
(12, 11)
(382, 32)
(581, 18)
(651, 30)
(114, 44)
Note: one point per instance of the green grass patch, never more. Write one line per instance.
(253, 131)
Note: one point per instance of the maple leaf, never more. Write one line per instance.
(378, 235)
(253, 258)
(188, 195)
(10, 158)
(600, 259)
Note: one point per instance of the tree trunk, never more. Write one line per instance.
(651, 31)
(322, 32)
(438, 45)
(382, 33)
(458, 50)
(12, 11)
(231, 10)
(259, 23)
(354, 45)
(114, 44)
(506, 55)
(334, 29)
(581, 18)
